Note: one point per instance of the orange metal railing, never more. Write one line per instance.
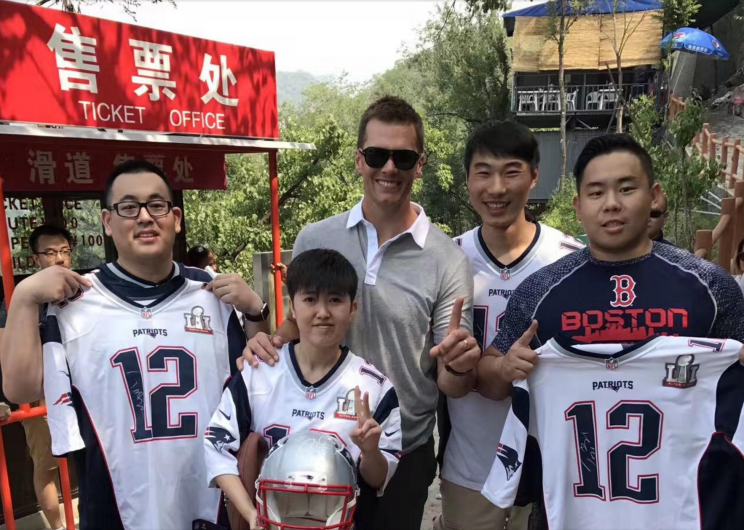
(729, 153)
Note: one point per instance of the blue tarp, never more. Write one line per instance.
(596, 8)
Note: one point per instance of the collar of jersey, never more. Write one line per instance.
(563, 344)
(633, 261)
(326, 378)
(130, 291)
(514, 264)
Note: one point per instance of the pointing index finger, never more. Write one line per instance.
(528, 335)
(456, 315)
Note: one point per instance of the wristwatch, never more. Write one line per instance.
(262, 315)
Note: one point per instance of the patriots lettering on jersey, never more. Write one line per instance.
(509, 458)
(504, 293)
(612, 385)
(310, 415)
(345, 409)
(623, 325)
(197, 321)
(152, 332)
(219, 437)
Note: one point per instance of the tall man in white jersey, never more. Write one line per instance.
(501, 163)
(135, 358)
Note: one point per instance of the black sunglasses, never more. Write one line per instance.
(655, 214)
(377, 157)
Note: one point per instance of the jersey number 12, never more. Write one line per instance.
(619, 457)
(166, 359)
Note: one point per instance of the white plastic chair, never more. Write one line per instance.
(593, 101)
(607, 102)
(527, 101)
(551, 101)
(571, 100)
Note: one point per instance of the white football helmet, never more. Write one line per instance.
(308, 481)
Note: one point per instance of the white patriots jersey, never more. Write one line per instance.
(650, 436)
(477, 421)
(277, 401)
(134, 387)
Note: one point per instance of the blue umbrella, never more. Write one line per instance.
(695, 41)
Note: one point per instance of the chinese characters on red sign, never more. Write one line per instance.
(66, 69)
(43, 168)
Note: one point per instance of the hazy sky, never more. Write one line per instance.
(359, 37)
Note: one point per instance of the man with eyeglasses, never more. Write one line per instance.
(135, 357)
(50, 245)
(656, 221)
(410, 276)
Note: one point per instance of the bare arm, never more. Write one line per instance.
(374, 468)
(23, 374)
(452, 385)
(21, 358)
(236, 493)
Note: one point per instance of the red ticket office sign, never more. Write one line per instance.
(62, 68)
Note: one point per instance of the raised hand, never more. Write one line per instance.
(52, 285)
(521, 359)
(458, 350)
(366, 434)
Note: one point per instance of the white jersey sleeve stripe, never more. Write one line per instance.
(503, 481)
(61, 413)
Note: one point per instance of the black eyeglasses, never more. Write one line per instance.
(655, 214)
(377, 157)
(131, 209)
(51, 254)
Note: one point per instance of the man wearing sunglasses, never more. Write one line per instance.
(411, 275)
(51, 245)
(656, 221)
(135, 356)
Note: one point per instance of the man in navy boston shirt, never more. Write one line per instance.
(623, 287)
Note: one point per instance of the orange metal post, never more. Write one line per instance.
(6, 265)
(64, 482)
(276, 241)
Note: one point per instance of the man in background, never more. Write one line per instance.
(202, 258)
(656, 221)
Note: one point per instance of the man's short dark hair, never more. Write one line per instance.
(393, 110)
(198, 256)
(49, 231)
(135, 166)
(321, 270)
(612, 143)
(503, 139)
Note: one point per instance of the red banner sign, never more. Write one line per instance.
(65, 69)
(45, 168)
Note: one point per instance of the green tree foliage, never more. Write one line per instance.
(678, 13)
(560, 213)
(684, 176)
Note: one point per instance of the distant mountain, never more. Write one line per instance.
(291, 84)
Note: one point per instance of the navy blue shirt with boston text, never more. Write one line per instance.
(666, 292)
